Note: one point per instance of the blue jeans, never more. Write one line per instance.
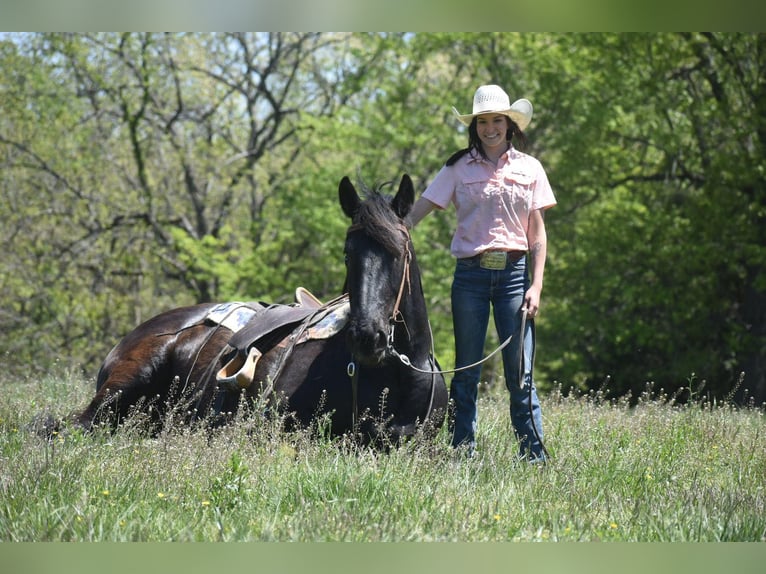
(473, 290)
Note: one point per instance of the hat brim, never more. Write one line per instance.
(520, 112)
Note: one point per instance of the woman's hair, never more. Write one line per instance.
(474, 143)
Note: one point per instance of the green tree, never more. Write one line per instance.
(153, 158)
(657, 273)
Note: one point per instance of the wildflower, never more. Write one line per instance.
(205, 503)
(613, 526)
(497, 517)
(105, 492)
(160, 495)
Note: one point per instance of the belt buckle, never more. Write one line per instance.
(494, 260)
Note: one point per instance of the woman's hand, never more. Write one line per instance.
(532, 300)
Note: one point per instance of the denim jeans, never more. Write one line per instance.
(473, 290)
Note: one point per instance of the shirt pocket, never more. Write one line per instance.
(475, 190)
(519, 178)
(519, 184)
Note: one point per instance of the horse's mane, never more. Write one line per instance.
(379, 221)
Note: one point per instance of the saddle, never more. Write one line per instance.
(270, 325)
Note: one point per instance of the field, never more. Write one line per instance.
(656, 471)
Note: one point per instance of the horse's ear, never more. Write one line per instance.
(404, 198)
(349, 198)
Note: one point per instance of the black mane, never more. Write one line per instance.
(377, 218)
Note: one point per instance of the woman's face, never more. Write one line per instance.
(492, 129)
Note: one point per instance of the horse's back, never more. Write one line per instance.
(143, 347)
(145, 363)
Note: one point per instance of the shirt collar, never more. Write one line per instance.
(476, 157)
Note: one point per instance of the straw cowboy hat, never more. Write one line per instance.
(492, 99)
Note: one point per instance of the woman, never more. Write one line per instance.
(500, 195)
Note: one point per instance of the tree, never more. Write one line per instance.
(662, 278)
(157, 147)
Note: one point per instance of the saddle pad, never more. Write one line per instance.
(329, 325)
(233, 315)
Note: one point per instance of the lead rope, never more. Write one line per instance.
(406, 360)
(522, 334)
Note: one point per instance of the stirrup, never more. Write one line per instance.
(240, 371)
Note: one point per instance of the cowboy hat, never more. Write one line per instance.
(492, 99)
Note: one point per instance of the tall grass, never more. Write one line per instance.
(655, 471)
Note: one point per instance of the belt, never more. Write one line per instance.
(493, 259)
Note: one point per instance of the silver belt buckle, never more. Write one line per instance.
(494, 260)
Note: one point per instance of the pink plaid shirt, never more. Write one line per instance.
(492, 203)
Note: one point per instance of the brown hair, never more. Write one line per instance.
(474, 143)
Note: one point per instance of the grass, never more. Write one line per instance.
(652, 472)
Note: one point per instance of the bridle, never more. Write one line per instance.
(396, 317)
(396, 314)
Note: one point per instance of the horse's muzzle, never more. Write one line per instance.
(368, 343)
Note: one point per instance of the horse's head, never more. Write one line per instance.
(378, 254)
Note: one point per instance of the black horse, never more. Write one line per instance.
(372, 375)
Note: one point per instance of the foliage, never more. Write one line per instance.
(659, 471)
(143, 171)
(659, 257)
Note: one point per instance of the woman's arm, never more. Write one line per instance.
(420, 209)
(538, 251)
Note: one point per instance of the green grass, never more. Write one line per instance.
(653, 472)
